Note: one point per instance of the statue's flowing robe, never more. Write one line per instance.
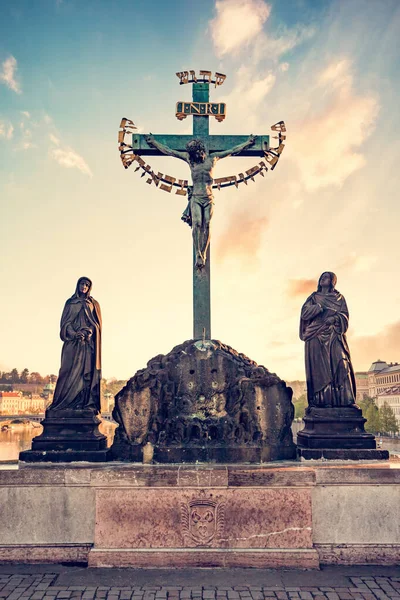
(330, 375)
(78, 384)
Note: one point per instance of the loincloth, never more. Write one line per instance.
(202, 201)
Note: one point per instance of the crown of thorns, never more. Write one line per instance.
(195, 146)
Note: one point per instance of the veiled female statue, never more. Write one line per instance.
(78, 384)
(323, 324)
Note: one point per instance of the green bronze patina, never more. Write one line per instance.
(224, 145)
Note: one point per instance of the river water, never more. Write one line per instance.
(19, 438)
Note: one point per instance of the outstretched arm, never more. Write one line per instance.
(165, 149)
(236, 149)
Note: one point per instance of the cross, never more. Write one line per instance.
(201, 109)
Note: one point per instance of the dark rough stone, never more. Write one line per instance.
(203, 402)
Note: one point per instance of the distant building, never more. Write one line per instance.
(382, 376)
(384, 385)
(14, 403)
(10, 402)
(361, 385)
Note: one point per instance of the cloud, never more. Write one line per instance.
(26, 142)
(327, 142)
(7, 75)
(360, 263)
(54, 139)
(284, 67)
(237, 23)
(249, 91)
(67, 157)
(384, 345)
(301, 287)
(274, 47)
(242, 237)
(6, 130)
(26, 114)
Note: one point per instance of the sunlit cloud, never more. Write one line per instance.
(285, 40)
(7, 75)
(284, 67)
(360, 263)
(249, 92)
(242, 237)
(26, 142)
(6, 130)
(237, 23)
(301, 287)
(385, 345)
(26, 114)
(67, 157)
(54, 139)
(327, 145)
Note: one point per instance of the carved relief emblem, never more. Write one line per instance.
(202, 519)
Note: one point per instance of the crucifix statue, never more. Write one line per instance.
(200, 207)
(200, 151)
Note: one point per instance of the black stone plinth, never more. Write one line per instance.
(204, 454)
(345, 454)
(337, 433)
(68, 435)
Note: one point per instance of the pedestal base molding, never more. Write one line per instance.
(188, 557)
(358, 554)
(52, 554)
(342, 454)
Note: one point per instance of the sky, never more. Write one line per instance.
(70, 70)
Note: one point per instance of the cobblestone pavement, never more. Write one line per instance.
(44, 586)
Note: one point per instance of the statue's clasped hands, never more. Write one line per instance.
(83, 334)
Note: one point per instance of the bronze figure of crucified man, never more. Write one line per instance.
(200, 209)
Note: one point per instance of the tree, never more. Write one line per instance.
(35, 378)
(365, 403)
(373, 424)
(14, 376)
(24, 376)
(388, 419)
(300, 405)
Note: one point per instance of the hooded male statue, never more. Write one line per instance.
(78, 384)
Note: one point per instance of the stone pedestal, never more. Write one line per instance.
(68, 435)
(337, 433)
(203, 402)
(265, 516)
(170, 516)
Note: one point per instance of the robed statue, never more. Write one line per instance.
(323, 325)
(78, 384)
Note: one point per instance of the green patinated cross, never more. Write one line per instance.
(213, 143)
